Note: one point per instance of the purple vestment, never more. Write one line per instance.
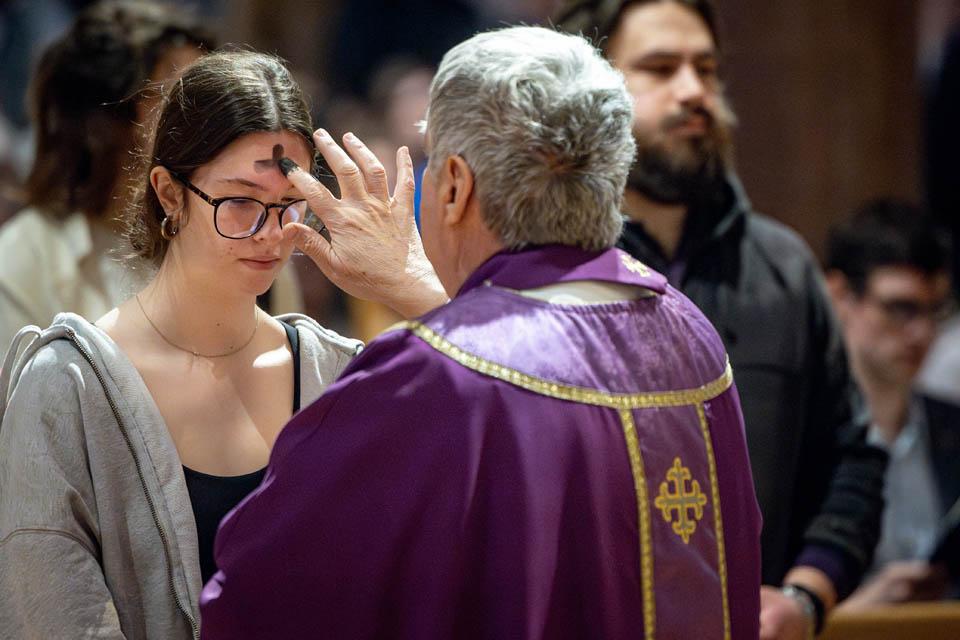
(509, 468)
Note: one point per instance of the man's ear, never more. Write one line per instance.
(456, 185)
(841, 295)
(170, 194)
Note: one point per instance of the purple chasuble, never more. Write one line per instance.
(509, 468)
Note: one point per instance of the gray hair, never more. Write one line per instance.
(545, 124)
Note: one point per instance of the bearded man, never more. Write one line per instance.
(818, 483)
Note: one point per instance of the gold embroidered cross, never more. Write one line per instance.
(634, 265)
(680, 501)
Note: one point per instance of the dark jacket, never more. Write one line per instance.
(943, 430)
(943, 423)
(818, 483)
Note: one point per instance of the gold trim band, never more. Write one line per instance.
(717, 519)
(646, 541)
(679, 398)
(623, 403)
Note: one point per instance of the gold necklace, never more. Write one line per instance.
(196, 354)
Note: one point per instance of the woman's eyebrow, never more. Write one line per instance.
(242, 182)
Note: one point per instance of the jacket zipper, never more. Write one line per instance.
(153, 507)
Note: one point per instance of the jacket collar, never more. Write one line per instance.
(708, 222)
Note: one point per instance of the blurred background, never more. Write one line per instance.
(839, 102)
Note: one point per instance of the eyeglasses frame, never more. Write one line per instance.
(216, 202)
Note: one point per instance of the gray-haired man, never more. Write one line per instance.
(546, 455)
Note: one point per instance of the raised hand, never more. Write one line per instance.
(374, 251)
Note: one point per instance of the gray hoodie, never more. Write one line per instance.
(97, 535)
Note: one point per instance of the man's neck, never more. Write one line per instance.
(664, 222)
(889, 407)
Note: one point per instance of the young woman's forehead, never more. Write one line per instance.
(244, 153)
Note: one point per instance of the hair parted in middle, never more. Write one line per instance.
(218, 99)
(544, 122)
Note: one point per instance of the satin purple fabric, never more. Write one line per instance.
(420, 498)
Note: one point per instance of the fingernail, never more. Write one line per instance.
(322, 133)
(287, 165)
(349, 136)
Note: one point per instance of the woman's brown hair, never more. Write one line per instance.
(218, 99)
(84, 99)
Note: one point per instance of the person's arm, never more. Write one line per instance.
(374, 251)
(840, 539)
(904, 581)
(50, 575)
(362, 504)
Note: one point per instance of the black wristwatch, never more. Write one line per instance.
(810, 601)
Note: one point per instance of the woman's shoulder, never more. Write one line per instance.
(69, 343)
(323, 339)
(324, 354)
(45, 369)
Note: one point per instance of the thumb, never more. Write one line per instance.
(313, 245)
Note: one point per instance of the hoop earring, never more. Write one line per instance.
(167, 230)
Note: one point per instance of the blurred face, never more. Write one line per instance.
(682, 124)
(890, 327)
(249, 264)
(170, 65)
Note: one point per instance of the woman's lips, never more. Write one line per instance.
(261, 264)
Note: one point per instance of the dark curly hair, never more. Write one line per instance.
(84, 99)
(218, 99)
(599, 19)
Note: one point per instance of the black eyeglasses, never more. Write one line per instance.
(902, 312)
(239, 217)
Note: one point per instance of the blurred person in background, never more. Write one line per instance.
(888, 273)
(397, 102)
(940, 375)
(92, 96)
(27, 27)
(819, 483)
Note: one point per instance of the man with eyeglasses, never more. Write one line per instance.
(888, 277)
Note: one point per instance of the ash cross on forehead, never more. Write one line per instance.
(286, 165)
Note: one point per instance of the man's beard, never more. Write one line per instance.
(694, 170)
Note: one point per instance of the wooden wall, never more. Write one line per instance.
(829, 104)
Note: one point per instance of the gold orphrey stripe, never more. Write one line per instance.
(643, 511)
(679, 398)
(717, 519)
(623, 402)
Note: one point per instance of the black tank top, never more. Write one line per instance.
(212, 497)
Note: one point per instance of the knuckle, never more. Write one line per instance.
(350, 170)
(313, 192)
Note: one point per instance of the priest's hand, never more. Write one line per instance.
(782, 617)
(374, 251)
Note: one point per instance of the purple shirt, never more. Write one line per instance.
(509, 468)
